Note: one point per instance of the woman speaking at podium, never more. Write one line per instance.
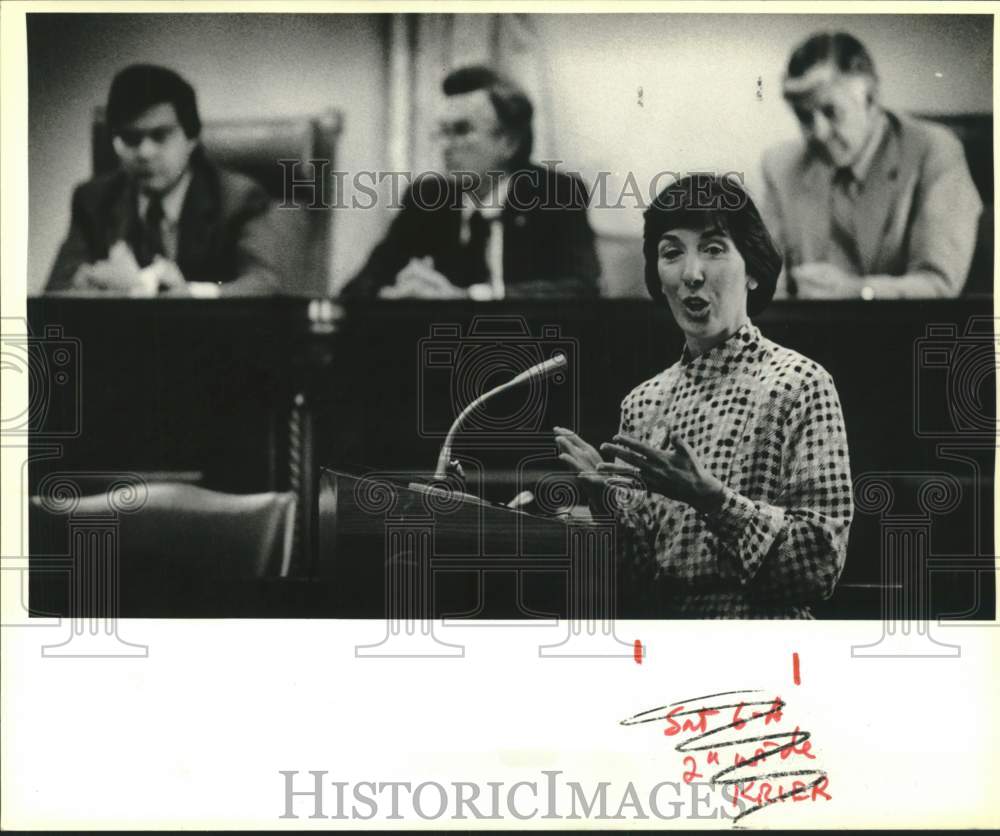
(739, 501)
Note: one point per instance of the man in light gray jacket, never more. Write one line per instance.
(872, 204)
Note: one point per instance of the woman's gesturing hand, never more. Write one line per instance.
(585, 461)
(674, 473)
(577, 453)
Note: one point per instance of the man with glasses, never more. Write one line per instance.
(873, 204)
(168, 220)
(497, 225)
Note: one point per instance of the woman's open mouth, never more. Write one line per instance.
(695, 306)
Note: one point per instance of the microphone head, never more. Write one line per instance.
(542, 370)
(554, 364)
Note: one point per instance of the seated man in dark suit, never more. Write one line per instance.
(873, 204)
(497, 226)
(168, 218)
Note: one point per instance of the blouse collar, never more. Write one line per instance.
(727, 355)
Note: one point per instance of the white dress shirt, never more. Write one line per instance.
(173, 203)
(491, 208)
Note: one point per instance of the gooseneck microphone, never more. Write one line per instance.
(537, 372)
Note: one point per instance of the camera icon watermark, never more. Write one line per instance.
(954, 409)
(456, 368)
(434, 534)
(77, 536)
(905, 554)
(954, 391)
(50, 364)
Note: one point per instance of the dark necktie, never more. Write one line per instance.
(843, 193)
(152, 231)
(479, 238)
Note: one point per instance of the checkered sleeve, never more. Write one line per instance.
(628, 505)
(793, 549)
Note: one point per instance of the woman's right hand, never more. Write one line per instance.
(583, 458)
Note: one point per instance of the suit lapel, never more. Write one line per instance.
(880, 194)
(198, 221)
(813, 210)
(122, 213)
(440, 235)
(526, 191)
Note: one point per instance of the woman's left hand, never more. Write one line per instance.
(674, 473)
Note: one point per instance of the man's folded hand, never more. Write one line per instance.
(118, 273)
(168, 276)
(419, 280)
(822, 280)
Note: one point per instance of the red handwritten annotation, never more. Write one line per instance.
(795, 744)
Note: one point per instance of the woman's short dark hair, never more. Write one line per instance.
(511, 104)
(141, 86)
(701, 201)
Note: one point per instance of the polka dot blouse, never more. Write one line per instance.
(767, 422)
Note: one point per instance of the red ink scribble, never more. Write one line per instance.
(768, 793)
(797, 781)
(687, 726)
(820, 790)
(637, 652)
(692, 772)
(795, 669)
(674, 726)
(737, 723)
(795, 750)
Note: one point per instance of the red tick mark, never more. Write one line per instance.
(795, 669)
(637, 652)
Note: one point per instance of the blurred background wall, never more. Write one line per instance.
(619, 94)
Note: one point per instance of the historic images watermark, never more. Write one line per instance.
(436, 530)
(50, 363)
(547, 796)
(459, 365)
(310, 184)
(87, 556)
(954, 379)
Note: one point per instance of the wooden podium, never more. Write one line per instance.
(413, 554)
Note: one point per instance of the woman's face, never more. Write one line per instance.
(705, 281)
